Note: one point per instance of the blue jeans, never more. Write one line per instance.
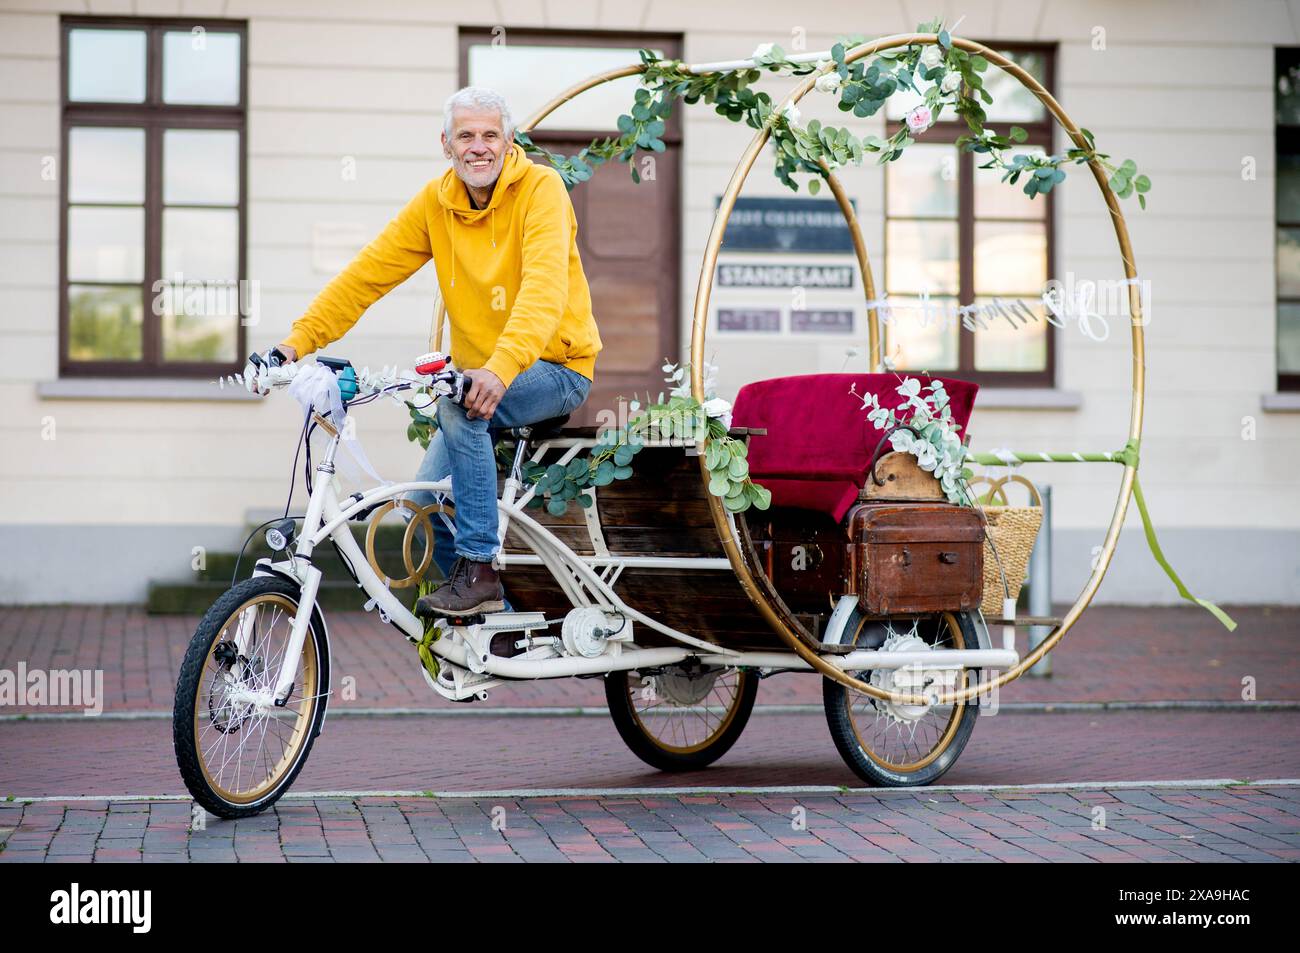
(463, 449)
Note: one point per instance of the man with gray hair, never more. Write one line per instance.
(502, 233)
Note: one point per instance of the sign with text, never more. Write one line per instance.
(786, 224)
(837, 321)
(773, 275)
(749, 319)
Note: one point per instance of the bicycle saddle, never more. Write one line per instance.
(543, 429)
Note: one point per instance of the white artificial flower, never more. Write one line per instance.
(790, 112)
(919, 120)
(950, 83)
(824, 64)
(931, 56)
(716, 407)
(762, 50)
(829, 82)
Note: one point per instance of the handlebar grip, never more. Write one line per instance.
(458, 383)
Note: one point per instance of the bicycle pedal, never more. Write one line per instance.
(458, 621)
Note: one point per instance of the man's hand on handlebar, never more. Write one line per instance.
(256, 371)
(484, 394)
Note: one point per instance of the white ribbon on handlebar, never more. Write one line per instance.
(316, 387)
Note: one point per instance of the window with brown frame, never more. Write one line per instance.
(955, 235)
(1287, 99)
(152, 197)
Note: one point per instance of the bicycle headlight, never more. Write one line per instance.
(280, 535)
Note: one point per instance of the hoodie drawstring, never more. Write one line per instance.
(452, 231)
(494, 227)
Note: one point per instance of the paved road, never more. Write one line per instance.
(484, 753)
(1114, 653)
(79, 768)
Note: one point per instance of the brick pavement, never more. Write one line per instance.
(1113, 654)
(493, 753)
(1242, 824)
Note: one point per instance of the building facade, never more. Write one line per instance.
(178, 179)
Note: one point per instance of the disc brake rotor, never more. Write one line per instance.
(227, 716)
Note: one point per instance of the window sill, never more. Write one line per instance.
(1283, 402)
(143, 388)
(1027, 398)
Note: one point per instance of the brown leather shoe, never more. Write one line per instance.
(473, 587)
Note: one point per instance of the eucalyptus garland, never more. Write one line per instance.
(680, 420)
(945, 76)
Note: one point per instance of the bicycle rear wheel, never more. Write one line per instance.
(236, 756)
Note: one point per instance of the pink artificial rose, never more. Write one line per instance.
(919, 120)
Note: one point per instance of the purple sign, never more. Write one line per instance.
(822, 322)
(749, 319)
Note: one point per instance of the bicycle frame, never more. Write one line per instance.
(577, 577)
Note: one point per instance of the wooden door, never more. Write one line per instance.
(628, 241)
(628, 233)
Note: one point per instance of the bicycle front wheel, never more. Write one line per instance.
(236, 754)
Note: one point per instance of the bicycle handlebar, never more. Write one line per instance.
(274, 371)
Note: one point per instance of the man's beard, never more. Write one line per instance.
(480, 180)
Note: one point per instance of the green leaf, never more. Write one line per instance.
(761, 495)
(584, 500)
(719, 485)
(1018, 134)
(556, 507)
(738, 468)
(1142, 200)
(736, 504)
(814, 186)
(1128, 168)
(577, 467)
(1142, 183)
(623, 455)
(622, 473)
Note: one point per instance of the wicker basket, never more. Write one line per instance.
(1012, 531)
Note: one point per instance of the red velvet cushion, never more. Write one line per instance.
(818, 446)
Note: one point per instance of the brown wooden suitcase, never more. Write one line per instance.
(913, 558)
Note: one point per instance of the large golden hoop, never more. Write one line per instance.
(723, 521)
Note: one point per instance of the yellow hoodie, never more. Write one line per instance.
(509, 273)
